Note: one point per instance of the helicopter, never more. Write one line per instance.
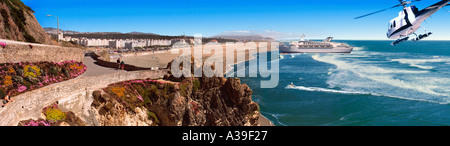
(409, 20)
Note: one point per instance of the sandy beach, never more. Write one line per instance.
(161, 60)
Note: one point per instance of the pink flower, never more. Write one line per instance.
(21, 88)
(45, 124)
(32, 123)
(35, 123)
(140, 98)
(3, 44)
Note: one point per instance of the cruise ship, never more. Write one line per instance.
(305, 46)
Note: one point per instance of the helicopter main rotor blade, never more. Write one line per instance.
(378, 11)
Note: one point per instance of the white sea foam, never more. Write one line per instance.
(332, 59)
(276, 117)
(327, 90)
(421, 66)
(373, 78)
(293, 55)
(416, 62)
(358, 48)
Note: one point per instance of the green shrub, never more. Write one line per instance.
(54, 71)
(153, 117)
(183, 89)
(27, 84)
(2, 93)
(18, 79)
(66, 72)
(196, 85)
(54, 114)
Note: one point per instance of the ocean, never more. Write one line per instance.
(376, 85)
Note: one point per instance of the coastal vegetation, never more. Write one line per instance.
(16, 78)
(53, 116)
(19, 23)
(16, 11)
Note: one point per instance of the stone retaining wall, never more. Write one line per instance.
(14, 53)
(72, 95)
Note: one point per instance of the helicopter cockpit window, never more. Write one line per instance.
(394, 23)
(415, 9)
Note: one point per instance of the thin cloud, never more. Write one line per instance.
(265, 35)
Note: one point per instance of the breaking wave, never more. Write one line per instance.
(379, 78)
(276, 117)
(328, 90)
(419, 62)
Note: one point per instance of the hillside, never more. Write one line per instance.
(17, 22)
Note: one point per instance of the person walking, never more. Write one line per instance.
(6, 99)
(118, 63)
(122, 64)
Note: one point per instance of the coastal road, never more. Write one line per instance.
(94, 69)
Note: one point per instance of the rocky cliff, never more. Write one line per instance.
(192, 102)
(17, 22)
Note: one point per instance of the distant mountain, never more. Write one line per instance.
(247, 37)
(52, 30)
(17, 22)
(105, 35)
(141, 33)
(138, 35)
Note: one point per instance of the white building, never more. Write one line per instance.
(132, 45)
(116, 44)
(94, 42)
(121, 44)
(159, 42)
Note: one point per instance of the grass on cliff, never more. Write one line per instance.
(17, 9)
(140, 94)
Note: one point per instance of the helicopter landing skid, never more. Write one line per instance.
(422, 36)
(400, 40)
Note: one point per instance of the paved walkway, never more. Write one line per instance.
(94, 69)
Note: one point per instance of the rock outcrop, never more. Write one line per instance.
(186, 101)
(109, 112)
(17, 22)
(192, 102)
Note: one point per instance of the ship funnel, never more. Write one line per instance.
(328, 39)
(302, 37)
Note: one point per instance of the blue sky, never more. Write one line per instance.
(281, 19)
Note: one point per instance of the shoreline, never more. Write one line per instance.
(162, 59)
(263, 121)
